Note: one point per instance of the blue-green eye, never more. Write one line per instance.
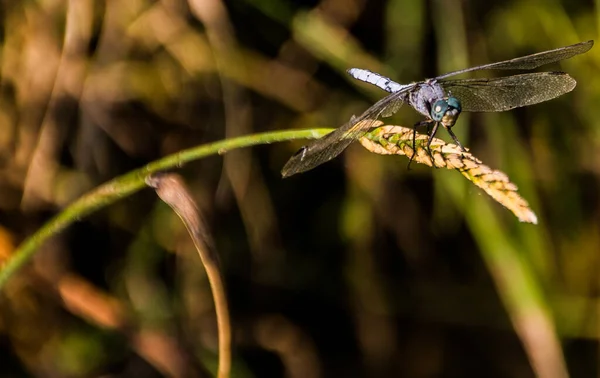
(438, 109)
(453, 102)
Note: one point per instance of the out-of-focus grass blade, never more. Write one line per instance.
(331, 43)
(397, 140)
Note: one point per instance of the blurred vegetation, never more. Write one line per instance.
(359, 268)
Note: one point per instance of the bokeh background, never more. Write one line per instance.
(359, 268)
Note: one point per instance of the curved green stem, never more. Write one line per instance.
(131, 182)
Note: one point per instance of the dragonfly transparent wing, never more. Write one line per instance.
(532, 61)
(505, 93)
(392, 108)
(332, 144)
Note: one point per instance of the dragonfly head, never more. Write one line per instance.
(446, 111)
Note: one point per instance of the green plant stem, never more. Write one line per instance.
(131, 182)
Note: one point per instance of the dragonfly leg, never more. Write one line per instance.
(455, 139)
(429, 128)
(427, 123)
(431, 134)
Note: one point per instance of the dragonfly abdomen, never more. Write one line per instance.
(374, 78)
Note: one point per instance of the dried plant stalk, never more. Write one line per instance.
(171, 188)
(398, 140)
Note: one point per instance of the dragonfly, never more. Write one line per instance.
(441, 101)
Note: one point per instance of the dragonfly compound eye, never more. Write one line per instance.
(438, 109)
(452, 112)
(453, 102)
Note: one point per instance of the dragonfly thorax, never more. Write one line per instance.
(446, 111)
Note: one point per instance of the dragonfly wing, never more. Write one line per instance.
(532, 61)
(332, 144)
(328, 147)
(392, 108)
(505, 93)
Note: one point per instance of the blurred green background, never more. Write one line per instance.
(359, 268)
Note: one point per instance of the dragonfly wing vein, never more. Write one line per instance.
(332, 144)
(532, 61)
(505, 93)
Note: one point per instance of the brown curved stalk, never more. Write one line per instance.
(173, 191)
